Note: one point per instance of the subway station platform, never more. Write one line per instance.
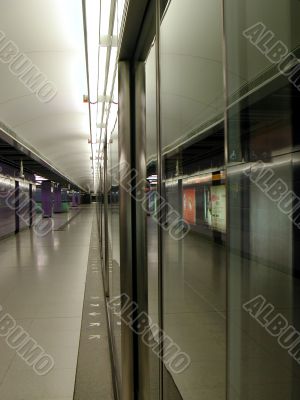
(42, 286)
(149, 200)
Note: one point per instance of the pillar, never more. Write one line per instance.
(74, 201)
(57, 200)
(47, 199)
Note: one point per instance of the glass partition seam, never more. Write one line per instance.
(164, 6)
(106, 256)
(141, 241)
(134, 272)
(125, 223)
(101, 216)
(159, 190)
(225, 87)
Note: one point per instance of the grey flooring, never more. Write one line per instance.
(42, 282)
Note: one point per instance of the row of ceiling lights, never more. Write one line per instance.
(103, 21)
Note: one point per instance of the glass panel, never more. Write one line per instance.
(114, 234)
(109, 112)
(194, 184)
(152, 227)
(102, 237)
(263, 264)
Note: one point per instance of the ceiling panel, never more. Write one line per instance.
(50, 33)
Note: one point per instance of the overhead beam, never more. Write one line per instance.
(15, 151)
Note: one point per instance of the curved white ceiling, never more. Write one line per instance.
(50, 33)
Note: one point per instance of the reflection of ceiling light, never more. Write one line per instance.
(40, 178)
(92, 23)
(92, 9)
(105, 16)
(102, 70)
(152, 178)
(103, 98)
(112, 69)
(107, 40)
(103, 21)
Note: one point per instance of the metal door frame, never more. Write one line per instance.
(140, 29)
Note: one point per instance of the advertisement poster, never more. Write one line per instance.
(218, 208)
(189, 206)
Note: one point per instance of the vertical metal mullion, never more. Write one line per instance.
(30, 205)
(106, 239)
(225, 81)
(126, 256)
(102, 211)
(143, 387)
(160, 192)
(99, 203)
(17, 204)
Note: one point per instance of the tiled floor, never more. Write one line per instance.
(62, 218)
(42, 282)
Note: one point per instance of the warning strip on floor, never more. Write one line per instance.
(93, 376)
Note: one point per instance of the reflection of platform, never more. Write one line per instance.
(194, 304)
(114, 282)
(62, 219)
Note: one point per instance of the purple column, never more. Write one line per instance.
(74, 202)
(78, 198)
(47, 199)
(57, 200)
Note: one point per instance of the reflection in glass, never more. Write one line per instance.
(152, 227)
(114, 243)
(194, 185)
(263, 241)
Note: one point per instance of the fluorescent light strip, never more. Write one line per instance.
(121, 7)
(102, 70)
(105, 16)
(111, 71)
(94, 123)
(115, 28)
(92, 20)
(108, 29)
(112, 118)
(92, 10)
